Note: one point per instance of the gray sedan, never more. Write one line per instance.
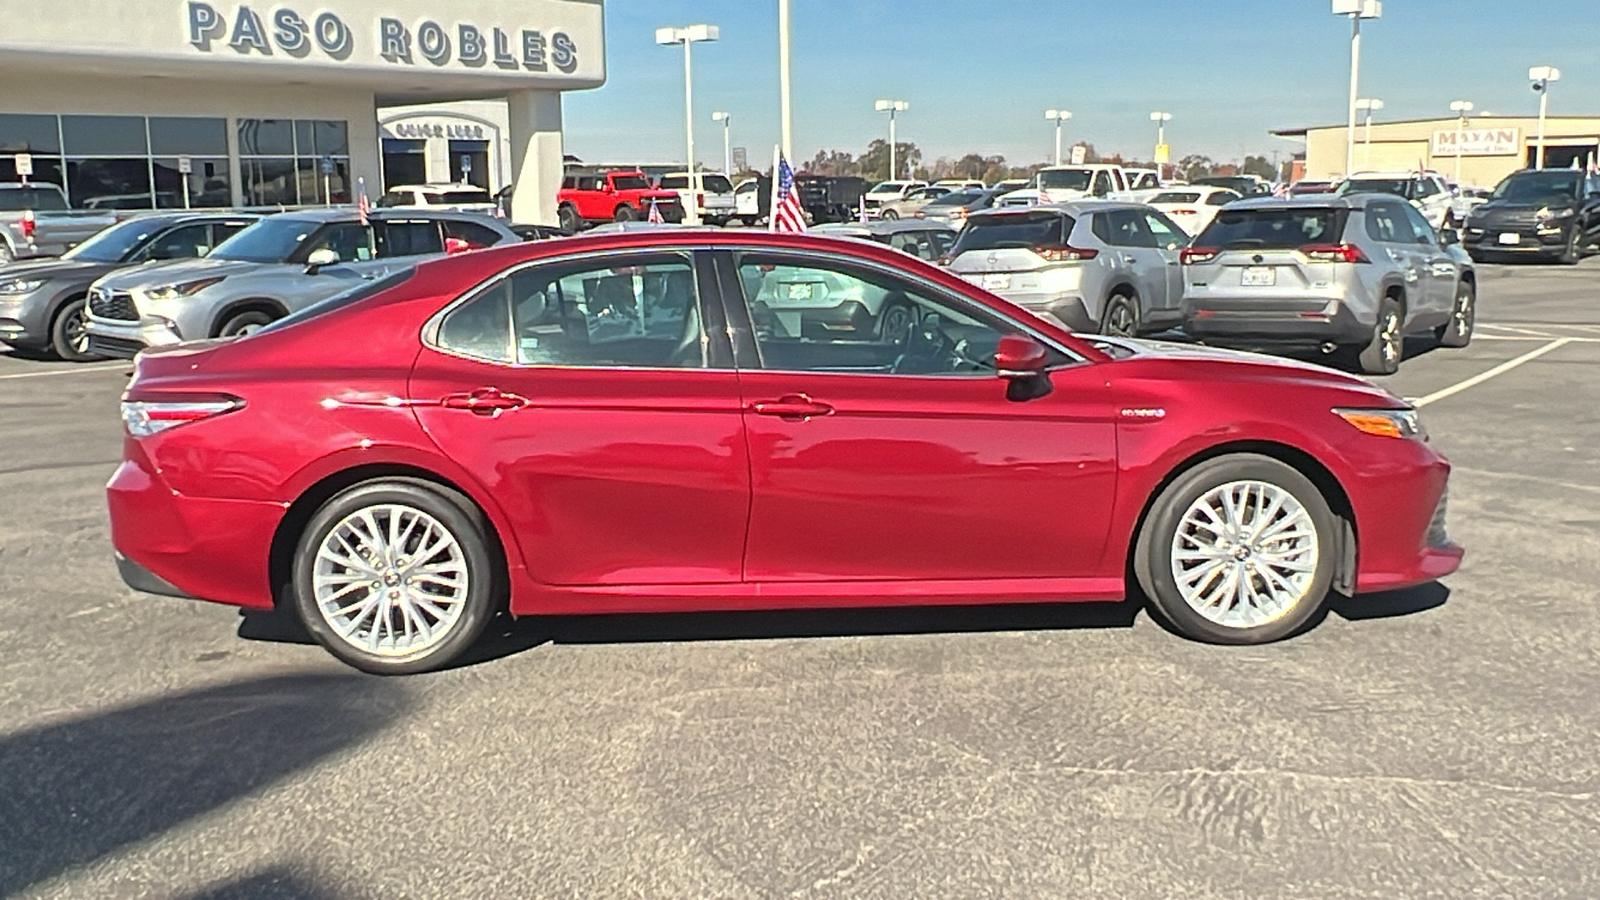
(1091, 265)
(282, 264)
(41, 301)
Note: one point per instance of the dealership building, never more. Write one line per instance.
(1490, 147)
(157, 103)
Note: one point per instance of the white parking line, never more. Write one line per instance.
(73, 371)
(1501, 369)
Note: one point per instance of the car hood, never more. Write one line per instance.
(176, 272)
(29, 270)
(1492, 206)
(1298, 370)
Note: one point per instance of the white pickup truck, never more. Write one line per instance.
(35, 221)
(712, 197)
(1058, 184)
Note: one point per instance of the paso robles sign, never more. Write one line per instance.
(1477, 142)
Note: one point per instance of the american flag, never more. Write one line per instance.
(362, 207)
(655, 214)
(1280, 190)
(786, 212)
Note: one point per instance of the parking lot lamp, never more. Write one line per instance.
(1059, 115)
(786, 113)
(1161, 119)
(891, 107)
(1356, 10)
(1461, 108)
(727, 143)
(1368, 105)
(1542, 77)
(687, 36)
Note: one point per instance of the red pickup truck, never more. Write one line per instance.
(622, 196)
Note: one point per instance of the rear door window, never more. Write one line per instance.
(476, 235)
(1276, 228)
(350, 241)
(409, 238)
(1389, 224)
(1128, 228)
(186, 242)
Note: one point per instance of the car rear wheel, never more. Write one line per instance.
(1240, 549)
(1458, 331)
(569, 219)
(625, 213)
(69, 338)
(1382, 354)
(395, 577)
(889, 215)
(245, 323)
(1121, 318)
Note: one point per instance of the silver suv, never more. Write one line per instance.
(281, 264)
(1093, 266)
(1352, 275)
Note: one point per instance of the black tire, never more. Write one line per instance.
(624, 213)
(1382, 354)
(750, 221)
(1463, 317)
(68, 339)
(1572, 251)
(241, 324)
(455, 515)
(569, 219)
(1153, 554)
(895, 322)
(888, 215)
(1121, 316)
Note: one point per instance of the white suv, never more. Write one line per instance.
(1427, 191)
(462, 197)
(713, 196)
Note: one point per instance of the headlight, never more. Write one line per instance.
(18, 286)
(1546, 212)
(1392, 423)
(187, 289)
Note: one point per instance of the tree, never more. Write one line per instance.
(1258, 165)
(1195, 166)
(833, 162)
(874, 163)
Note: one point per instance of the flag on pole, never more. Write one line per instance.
(655, 215)
(1280, 190)
(863, 208)
(362, 206)
(787, 214)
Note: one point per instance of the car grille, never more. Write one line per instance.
(115, 348)
(1503, 220)
(114, 305)
(1438, 536)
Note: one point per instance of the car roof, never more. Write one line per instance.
(1071, 208)
(1393, 175)
(351, 214)
(881, 226)
(165, 218)
(1309, 201)
(438, 186)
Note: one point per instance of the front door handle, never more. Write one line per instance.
(1130, 260)
(484, 401)
(794, 407)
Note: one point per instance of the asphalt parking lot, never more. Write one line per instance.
(1438, 742)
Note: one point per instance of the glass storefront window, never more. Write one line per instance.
(209, 183)
(29, 134)
(188, 136)
(270, 182)
(45, 169)
(109, 183)
(104, 136)
(282, 161)
(266, 137)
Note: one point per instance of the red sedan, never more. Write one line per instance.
(709, 420)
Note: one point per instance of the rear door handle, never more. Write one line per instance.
(1130, 260)
(484, 401)
(797, 407)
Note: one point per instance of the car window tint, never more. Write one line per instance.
(350, 241)
(1272, 228)
(481, 327)
(1387, 222)
(1166, 233)
(409, 238)
(187, 242)
(393, 199)
(1221, 198)
(221, 231)
(1422, 231)
(1129, 229)
(812, 316)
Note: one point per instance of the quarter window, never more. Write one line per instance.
(644, 314)
(186, 242)
(408, 238)
(1387, 222)
(1126, 228)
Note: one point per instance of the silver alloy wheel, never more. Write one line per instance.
(76, 330)
(390, 580)
(1392, 340)
(251, 328)
(1464, 313)
(1120, 322)
(1245, 554)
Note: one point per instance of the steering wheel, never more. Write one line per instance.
(927, 348)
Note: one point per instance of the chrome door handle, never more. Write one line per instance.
(794, 407)
(484, 402)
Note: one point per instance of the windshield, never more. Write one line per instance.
(959, 198)
(1065, 179)
(888, 187)
(630, 183)
(1176, 197)
(271, 240)
(1539, 187)
(17, 199)
(114, 244)
(716, 184)
(1400, 187)
(461, 196)
(1273, 229)
(1013, 232)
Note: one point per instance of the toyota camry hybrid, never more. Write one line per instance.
(660, 421)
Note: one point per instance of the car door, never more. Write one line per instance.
(899, 458)
(595, 400)
(1170, 242)
(1442, 275)
(1389, 223)
(1137, 256)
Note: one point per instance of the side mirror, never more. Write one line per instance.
(1019, 356)
(320, 258)
(1449, 237)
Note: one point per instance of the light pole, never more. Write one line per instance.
(1356, 10)
(786, 115)
(1059, 115)
(687, 36)
(1542, 77)
(891, 107)
(727, 143)
(1461, 108)
(1369, 105)
(1161, 119)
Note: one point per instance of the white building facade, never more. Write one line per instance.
(157, 103)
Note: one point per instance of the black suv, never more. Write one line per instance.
(1549, 213)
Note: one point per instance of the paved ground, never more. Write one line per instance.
(1433, 743)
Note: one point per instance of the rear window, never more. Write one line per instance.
(674, 182)
(1065, 179)
(1273, 229)
(1175, 197)
(1400, 187)
(16, 199)
(1014, 231)
(717, 184)
(458, 196)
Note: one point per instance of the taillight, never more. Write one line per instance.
(29, 225)
(1195, 255)
(1345, 253)
(1066, 254)
(144, 418)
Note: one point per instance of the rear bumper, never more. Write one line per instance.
(1274, 321)
(1069, 311)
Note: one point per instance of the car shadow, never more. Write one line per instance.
(75, 791)
(1389, 604)
(269, 884)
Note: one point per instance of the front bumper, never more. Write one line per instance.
(124, 340)
(1484, 236)
(22, 319)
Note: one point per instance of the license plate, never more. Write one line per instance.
(1259, 276)
(995, 282)
(1510, 238)
(800, 291)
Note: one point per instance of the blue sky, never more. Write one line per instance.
(980, 73)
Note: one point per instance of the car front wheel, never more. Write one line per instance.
(69, 338)
(395, 577)
(1382, 354)
(1458, 331)
(1241, 549)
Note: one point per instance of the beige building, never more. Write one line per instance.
(1491, 147)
